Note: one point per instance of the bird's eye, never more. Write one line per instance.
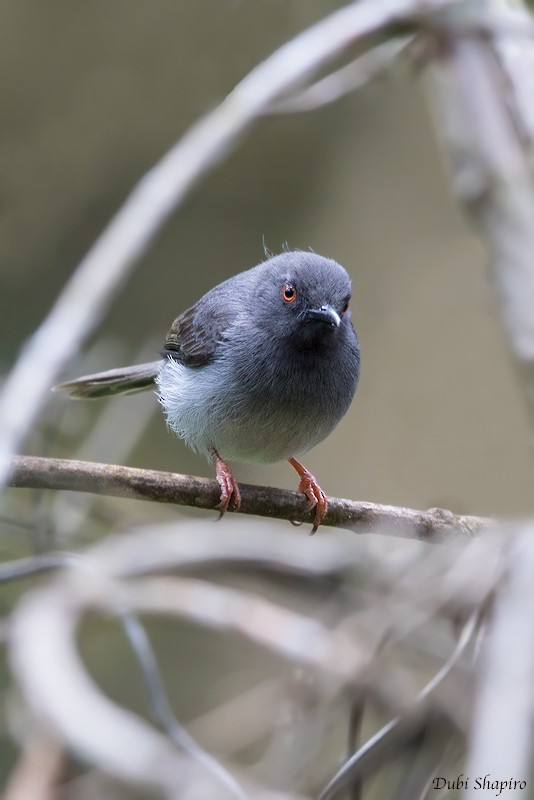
(345, 305)
(289, 293)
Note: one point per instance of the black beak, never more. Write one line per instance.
(326, 314)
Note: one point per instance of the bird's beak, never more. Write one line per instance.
(325, 314)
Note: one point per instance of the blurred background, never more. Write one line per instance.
(92, 95)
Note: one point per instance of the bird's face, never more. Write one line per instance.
(306, 303)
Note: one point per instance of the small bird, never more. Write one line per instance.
(260, 369)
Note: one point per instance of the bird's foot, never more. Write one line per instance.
(316, 497)
(230, 494)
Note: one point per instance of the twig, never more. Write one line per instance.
(44, 629)
(144, 653)
(481, 125)
(433, 746)
(61, 693)
(296, 637)
(99, 276)
(355, 725)
(24, 567)
(168, 487)
(161, 707)
(347, 79)
(357, 766)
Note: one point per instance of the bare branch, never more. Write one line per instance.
(61, 693)
(16, 569)
(291, 635)
(169, 487)
(161, 706)
(482, 126)
(345, 80)
(358, 765)
(106, 579)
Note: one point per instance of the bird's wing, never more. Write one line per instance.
(195, 335)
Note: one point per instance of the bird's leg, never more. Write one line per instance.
(309, 486)
(229, 487)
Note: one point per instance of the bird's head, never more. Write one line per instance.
(304, 299)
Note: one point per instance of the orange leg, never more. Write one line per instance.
(309, 486)
(230, 493)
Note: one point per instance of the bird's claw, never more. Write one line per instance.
(230, 494)
(316, 497)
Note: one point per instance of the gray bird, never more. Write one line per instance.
(261, 368)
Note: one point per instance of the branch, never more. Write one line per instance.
(61, 693)
(162, 709)
(32, 472)
(338, 651)
(345, 80)
(405, 724)
(480, 98)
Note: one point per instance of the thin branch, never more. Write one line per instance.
(102, 272)
(481, 123)
(44, 628)
(161, 707)
(142, 648)
(434, 745)
(343, 81)
(61, 693)
(355, 728)
(358, 765)
(35, 565)
(296, 637)
(167, 487)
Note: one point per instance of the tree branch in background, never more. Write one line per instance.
(345, 80)
(483, 102)
(117, 740)
(361, 763)
(162, 709)
(116, 577)
(32, 472)
(483, 95)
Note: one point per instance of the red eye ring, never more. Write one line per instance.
(289, 293)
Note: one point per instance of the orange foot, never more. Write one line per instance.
(230, 493)
(309, 486)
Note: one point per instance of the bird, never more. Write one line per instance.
(260, 369)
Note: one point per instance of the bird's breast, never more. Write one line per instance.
(259, 404)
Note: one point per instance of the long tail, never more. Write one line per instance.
(124, 380)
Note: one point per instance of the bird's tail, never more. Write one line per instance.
(124, 380)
